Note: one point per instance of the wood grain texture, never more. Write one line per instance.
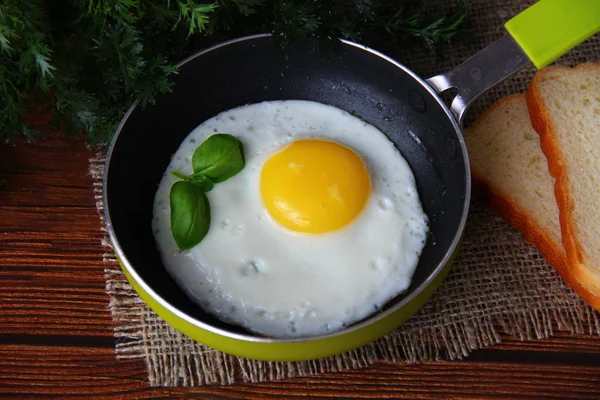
(55, 328)
(65, 371)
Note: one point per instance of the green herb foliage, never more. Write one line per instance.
(198, 179)
(86, 61)
(190, 214)
(217, 159)
(220, 157)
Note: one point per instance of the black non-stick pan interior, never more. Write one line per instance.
(254, 70)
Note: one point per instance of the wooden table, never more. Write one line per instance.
(55, 327)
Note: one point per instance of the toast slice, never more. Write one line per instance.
(564, 105)
(510, 170)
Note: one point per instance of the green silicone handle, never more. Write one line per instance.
(550, 28)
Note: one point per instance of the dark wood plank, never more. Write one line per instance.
(55, 327)
(51, 269)
(92, 371)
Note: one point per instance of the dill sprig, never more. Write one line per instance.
(86, 61)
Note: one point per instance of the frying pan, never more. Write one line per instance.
(362, 81)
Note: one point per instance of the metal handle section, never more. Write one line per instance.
(479, 73)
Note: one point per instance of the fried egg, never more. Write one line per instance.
(320, 229)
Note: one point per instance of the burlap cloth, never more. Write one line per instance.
(499, 284)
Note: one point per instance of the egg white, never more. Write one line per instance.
(248, 270)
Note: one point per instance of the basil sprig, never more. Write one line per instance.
(198, 179)
(217, 159)
(190, 214)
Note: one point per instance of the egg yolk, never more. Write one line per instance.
(315, 186)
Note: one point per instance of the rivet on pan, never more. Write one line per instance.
(476, 73)
(416, 101)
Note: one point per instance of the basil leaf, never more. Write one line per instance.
(219, 157)
(198, 179)
(190, 214)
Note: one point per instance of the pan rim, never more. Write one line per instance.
(124, 261)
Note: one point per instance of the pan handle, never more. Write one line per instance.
(479, 73)
(538, 35)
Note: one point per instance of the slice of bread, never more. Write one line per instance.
(511, 172)
(564, 105)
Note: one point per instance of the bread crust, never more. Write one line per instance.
(553, 252)
(585, 283)
(507, 207)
